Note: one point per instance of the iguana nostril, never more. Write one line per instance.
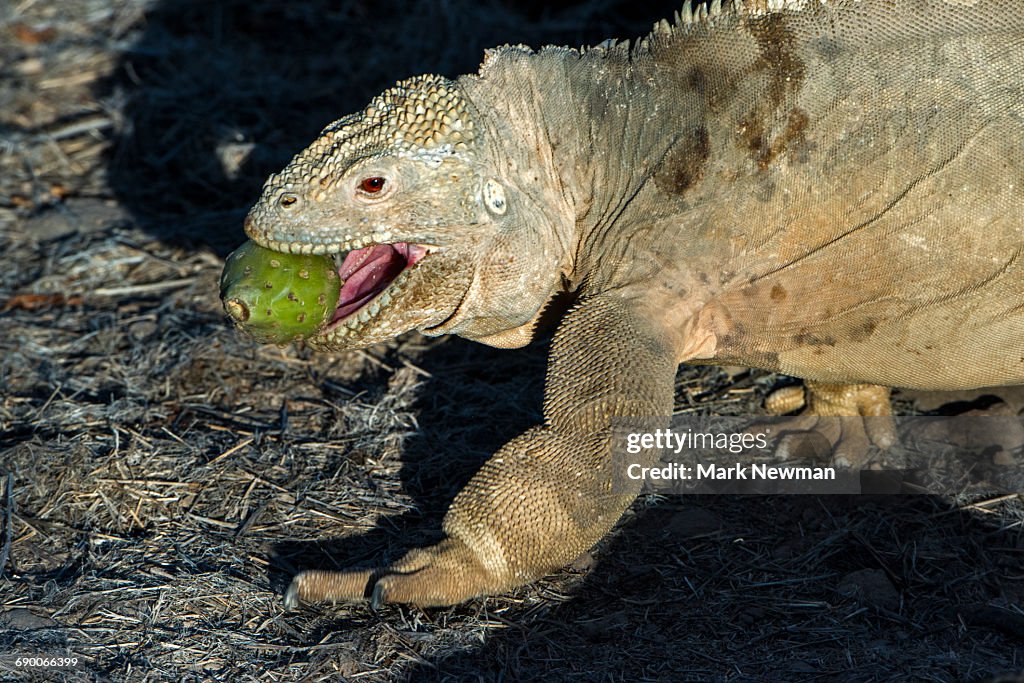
(288, 200)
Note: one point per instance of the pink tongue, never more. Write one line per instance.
(366, 272)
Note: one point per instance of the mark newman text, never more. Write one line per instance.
(752, 471)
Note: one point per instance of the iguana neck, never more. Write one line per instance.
(591, 132)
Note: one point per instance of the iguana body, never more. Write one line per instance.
(831, 190)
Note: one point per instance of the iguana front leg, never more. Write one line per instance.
(546, 496)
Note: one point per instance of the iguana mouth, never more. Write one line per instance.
(370, 276)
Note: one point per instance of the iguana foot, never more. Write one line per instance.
(443, 574)
(866, 420)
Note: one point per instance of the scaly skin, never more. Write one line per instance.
(826, 189)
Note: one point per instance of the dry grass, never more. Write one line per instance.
(162, 478)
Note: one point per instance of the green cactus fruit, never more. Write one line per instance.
(277, 297)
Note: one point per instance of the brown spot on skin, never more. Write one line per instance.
(792, 139)
(778, 293)
(781, 64)
(796, 127)
(752, 137)
(697, 81)
(807, 338)
(779, 55)
(683, 165)
(863, 331)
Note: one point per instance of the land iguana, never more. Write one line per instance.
(831, 189)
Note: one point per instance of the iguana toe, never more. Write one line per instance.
(847, 418)
(318, 585)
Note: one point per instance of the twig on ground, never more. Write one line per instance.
(5, 551)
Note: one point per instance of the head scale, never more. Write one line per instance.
(423, 118)
(419, 117)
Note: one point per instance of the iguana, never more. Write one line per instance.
(831, 189)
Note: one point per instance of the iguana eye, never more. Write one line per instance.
(372, 185)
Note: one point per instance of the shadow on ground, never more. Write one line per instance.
(728, 588)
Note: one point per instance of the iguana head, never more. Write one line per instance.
(404, 195)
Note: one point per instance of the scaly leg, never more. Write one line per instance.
(546, 496)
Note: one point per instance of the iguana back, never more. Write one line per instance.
(877, 221)
(837, 190)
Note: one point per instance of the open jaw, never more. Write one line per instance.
(369, 273)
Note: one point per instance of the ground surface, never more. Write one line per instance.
(162, 478)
